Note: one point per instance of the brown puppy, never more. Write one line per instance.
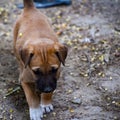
(39, 55)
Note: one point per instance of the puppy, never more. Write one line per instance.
(39, 56)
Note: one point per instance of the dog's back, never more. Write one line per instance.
(31, 25)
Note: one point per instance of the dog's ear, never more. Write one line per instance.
(25, 56)
(61, 52)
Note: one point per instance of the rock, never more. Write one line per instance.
(76, 101)
(74, 119)
(1, 117)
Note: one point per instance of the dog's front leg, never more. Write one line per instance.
(46, 102)
(33, 101)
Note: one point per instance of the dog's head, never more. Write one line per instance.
(44, 60)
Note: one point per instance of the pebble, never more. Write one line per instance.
(77, 101)
(86, 40)
(11, 116)
(1, 116)
(54, 114)
(74, 119)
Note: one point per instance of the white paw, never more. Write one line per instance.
(47, 108)
(35, 113)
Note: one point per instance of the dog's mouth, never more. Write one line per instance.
(45, 90)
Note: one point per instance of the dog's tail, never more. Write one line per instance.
(28, 3)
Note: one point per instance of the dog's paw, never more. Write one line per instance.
(35, 113)
(47, 108)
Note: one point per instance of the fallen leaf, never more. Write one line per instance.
(71, 110)
(101, 58)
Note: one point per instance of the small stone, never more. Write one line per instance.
(11, 117)
(74, 119)
(85, 75)
(113, 102)
(103, 75)
(77, 101)
(88, 84)
(5, 21)
(87, 107)
(64, 25)
(110, 78)
(4, 97)
(115, 118)
(70, 91)
(108, 104)
(106, 89)
(108, 98)
(1, 116)
(54, 114)
(86, 40)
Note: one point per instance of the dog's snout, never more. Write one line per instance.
(48, 90)
(46, 84)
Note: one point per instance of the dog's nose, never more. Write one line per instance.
(48, 89)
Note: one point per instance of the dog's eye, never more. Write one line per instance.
(37, 71)
(53, 70)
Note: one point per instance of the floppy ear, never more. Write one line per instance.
(61, 53)
(25, 56)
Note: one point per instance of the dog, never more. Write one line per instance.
(39, 55)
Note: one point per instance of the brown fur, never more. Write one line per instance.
(36, 45)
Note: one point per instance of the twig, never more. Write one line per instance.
(89, 63)
(13, 91)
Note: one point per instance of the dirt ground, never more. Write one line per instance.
(89, 86)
